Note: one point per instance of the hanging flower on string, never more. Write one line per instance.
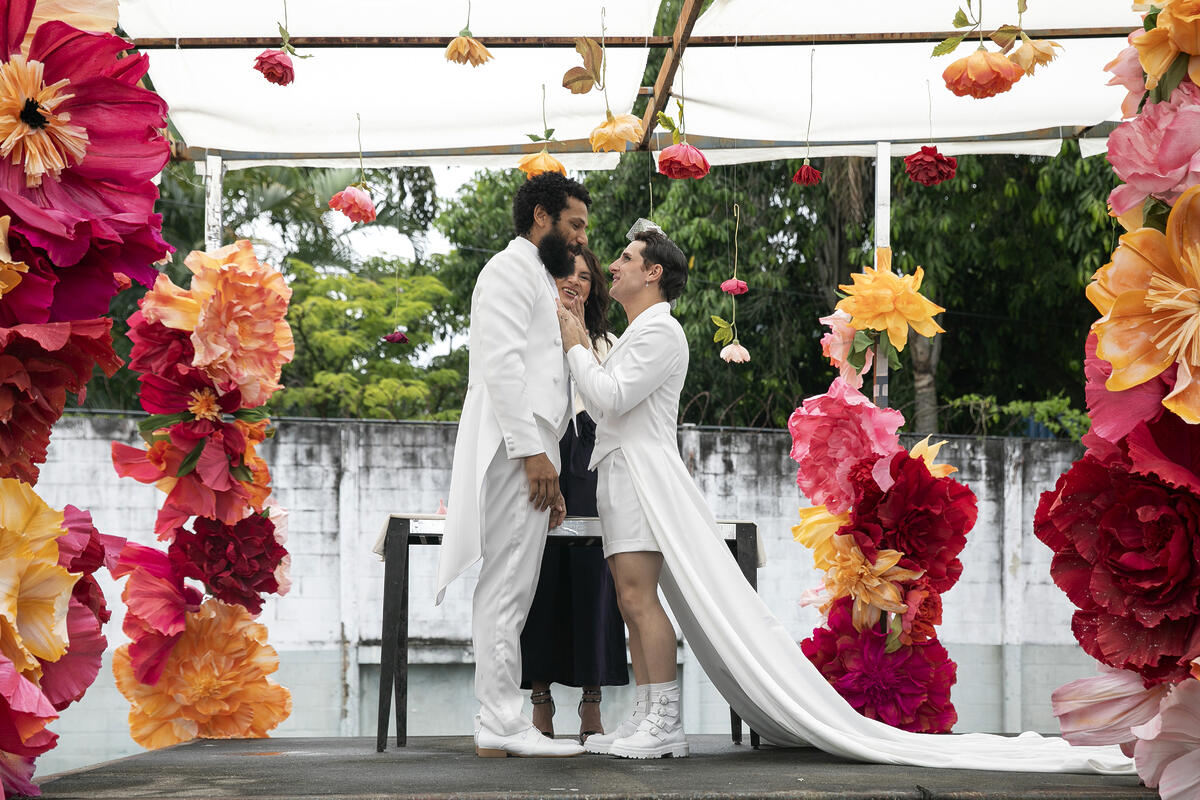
(680, 160)
(276, 65)
(617, 130)
(808, 175)
(536, 163)
(928, 167)
(985, 73)
(465, 48)
(396, 337)
(355, 201)
(733, 351)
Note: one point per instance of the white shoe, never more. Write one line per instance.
(599, 743)
(529, 743)
(660, 734)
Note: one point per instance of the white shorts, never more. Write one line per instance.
(622, 520)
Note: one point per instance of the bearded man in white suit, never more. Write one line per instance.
(504, 491)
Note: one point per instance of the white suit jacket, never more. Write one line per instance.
(516, 387)
(634, 396)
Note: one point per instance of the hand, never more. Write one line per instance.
(570, 324)
(543, 481)
(558, 512)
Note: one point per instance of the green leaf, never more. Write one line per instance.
(666, 121)
(251, 415)
(726, 335)
(156, 421)
(283, 32)
(189, 462)
(948, 46)
(1154, 214)
(720, 323)
(1170, 79)
(862, 342)
(857, 359)
(549, 133)
(893, 357)
(960, 19)
(533, 137)
(242, 473)
(1150, 21)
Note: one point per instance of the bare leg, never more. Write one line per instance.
(589, 711)
(543, 707)
(636, 578)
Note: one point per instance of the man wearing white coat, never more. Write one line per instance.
(504, 491)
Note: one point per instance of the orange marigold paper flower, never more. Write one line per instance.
(1033, 54)
(880, 300)
(465, 49)
(1149, 295)
(874, 587)
(616, 132)
(536, 163)
(981, 74)
(214, 685)
(816, 532)
(928, 452)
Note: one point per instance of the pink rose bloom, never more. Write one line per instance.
(734, 353)
(831, 434)
(734, 286)
(1167, 754)
(1101, 710)
(354, 203)
(275, 66)
(1157, 153)
(1127, 72)
(836, 345)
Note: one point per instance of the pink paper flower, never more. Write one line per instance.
(836, 346)
(355, 203)
(1115, 414)
(682, 161)
(1100, 710)
(1127, 71)
(1167, 754)
(157, 604)
(735, 353)
(1157, 153)
(276, 67)
(734, 286)
(833, 432)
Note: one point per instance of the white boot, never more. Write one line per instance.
(660, 734)
(600, 742)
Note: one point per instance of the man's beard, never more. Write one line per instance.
(557, 255)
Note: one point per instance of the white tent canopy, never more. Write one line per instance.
(744, 103)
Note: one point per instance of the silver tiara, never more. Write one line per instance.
(641, 225)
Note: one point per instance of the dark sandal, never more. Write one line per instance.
(589, 696)
(540, 699)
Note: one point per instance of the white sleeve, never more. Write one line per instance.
(646, 362)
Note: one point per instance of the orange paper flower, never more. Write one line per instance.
(539, 162)
(465, 49)
(981, 74)
(1181, 20)
(880, 300)
(1156, 51)
(616, 132)
(1031, 55)
(1149, 295)
(874, 587)
(214, 685)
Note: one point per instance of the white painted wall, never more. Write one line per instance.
(1006, 624)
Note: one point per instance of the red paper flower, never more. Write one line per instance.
(924, 517)
(158, 349)
(907, 689)
(924, 612)
(275, 66)
(39, 365)
(929, 167)
(1127, 554)
(734, 286)
(682, 161)
(77, 182)
(807, 175)
(237, 563)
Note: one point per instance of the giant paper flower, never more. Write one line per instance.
(1115, 414)
(880, 300)
(816, 532)
(1167, 753)
(214, 684)
(981, 74)
(1177, 30)
(928, 453)
(616, 132)
(39, 366)
(1033, 54)
(1149, 295)
(1127, 72)
(833, 432)
(157, 349)
(908, 688)
(235, 312)
(24, 714)
(157, 603)
(237, 563)
(1127, 554)
(923, 613)
(837, 344)
(1157, 153)
(874, 585)
(81, 142)
(1101, 709)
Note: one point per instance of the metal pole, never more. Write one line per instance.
(214, 225)
(883, 238)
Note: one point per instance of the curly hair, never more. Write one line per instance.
(595, 310)
(549, 190)
(658, 249)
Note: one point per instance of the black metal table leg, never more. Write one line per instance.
(747, 558)
(402, 653)
(395, 597)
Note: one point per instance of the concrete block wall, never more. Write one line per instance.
(1005, 623)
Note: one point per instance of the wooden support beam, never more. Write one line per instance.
(666, 73)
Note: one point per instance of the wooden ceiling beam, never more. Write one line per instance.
(670, 65)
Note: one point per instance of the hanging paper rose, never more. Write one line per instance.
(396, 337)
(735, 353)
(734, 286)
(237, 563)
(682, 160)
(616, 132)
(1033, 54)
(355, 203)
(807, 175)
(276, 67)
(981, 74)
(465, 49)
(535, 164)
(928, 167)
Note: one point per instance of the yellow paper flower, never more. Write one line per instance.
(1149, 295)
(928, 452)
(817, 527)
(539, 162)
(214, 685)
(874, 587)
(616, 132)
(1156, 51)
(467, 50)
(10, 271)
(880, 300)
(1181, 20)
(1033, 54)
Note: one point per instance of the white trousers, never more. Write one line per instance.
(514, 535)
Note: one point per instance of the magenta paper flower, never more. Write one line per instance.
(1126, 70)
(833, 432)
(1157, 153)
(157, 604)
(734, 286)
(24, 714)
(275, 66)
(76, 176)
(1115, 414)
(1167, 754)
(1100, 710)
(836, 346)
(396, 337)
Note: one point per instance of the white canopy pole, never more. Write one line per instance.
(883, 238)
(214, 174)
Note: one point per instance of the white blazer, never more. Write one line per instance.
(516, 387)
